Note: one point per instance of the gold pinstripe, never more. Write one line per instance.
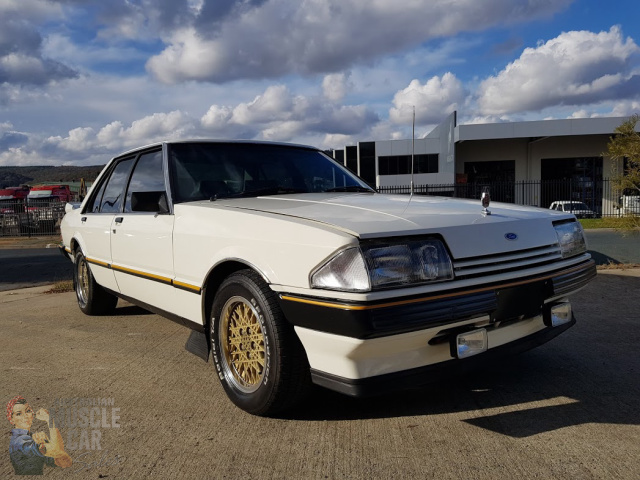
(160, 278)
(186, 285)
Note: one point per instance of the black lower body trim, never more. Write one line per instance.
(417, 377)
(163, 313)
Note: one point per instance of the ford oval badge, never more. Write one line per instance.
(510, 236)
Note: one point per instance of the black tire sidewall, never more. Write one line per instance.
(260, 400)
(85, 307)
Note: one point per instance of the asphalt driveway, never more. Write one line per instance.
(569, 409)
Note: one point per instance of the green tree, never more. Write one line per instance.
(624, 151)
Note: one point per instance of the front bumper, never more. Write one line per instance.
(360, 348)
(424, 375)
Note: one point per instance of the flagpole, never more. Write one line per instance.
(413, 146)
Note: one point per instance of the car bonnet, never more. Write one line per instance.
(462, 223)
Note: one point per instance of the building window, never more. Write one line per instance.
(352, 158)
(401, 164)
(498, 175)
(576, 179)
(368, 162)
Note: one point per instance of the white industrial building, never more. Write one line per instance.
(517, 153)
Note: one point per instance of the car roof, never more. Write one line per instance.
(210, 140)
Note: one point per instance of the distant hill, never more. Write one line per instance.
(16, 176)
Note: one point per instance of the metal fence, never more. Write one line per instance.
(600, 196)
(32, 217)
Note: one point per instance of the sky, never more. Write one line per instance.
(84, 80)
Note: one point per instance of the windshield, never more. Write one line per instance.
(226, 170)
(569, 207)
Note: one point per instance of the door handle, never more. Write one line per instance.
(83, 219)
(119, 220)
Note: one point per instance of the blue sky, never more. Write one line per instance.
(82, 80)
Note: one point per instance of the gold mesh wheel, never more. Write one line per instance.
(243, 344)
(82, 287)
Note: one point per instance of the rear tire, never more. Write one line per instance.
(258, 357)
(92, 298)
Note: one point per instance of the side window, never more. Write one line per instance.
(112, 198)
(94, 207)
(147, 176)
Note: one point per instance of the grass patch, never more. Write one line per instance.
(625, 223)
(618, 266)
(62, 287)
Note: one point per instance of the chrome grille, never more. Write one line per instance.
(506, 262)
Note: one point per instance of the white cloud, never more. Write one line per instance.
(115, 136)
(276, 114)
(21, 59)
(485, 119)
(322, 36)
(217, 117)
(625, 109)
(575, 68)
(335, 86)
(276, 103)
(433, 101)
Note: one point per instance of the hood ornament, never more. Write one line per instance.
(486, 199)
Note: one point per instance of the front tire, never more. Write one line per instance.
(258, 357)
(92, 298)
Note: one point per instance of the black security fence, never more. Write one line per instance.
(584, 198)
(30, 217)
(33, 217)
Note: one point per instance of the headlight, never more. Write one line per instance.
(381, 265)
(345, 271)
(571, 238)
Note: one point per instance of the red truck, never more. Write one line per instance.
(11, 199)
(14, 193)
(60, 193)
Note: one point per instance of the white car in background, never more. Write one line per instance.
(291, 270)
(629, 205)
(579, 209)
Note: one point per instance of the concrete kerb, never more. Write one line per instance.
(624, 272)
(22, 293)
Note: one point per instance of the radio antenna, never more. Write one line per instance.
(413, 147)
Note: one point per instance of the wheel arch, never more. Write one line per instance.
(74, 245)
(216, 275)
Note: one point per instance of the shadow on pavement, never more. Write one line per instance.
(603, 259)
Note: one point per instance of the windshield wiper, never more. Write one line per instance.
(263, 191)
(351, 188)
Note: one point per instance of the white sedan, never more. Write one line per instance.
(291, 270)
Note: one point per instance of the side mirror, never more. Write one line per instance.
(155, 202)
(70, 206)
